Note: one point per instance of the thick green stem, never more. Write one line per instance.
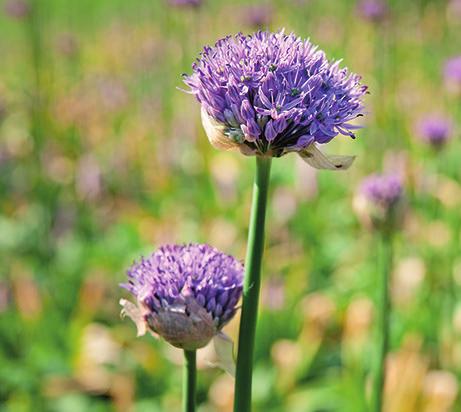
(382, 319)
(251, 286)
(189, 381)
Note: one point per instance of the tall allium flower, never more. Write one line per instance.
(435, 130)
(269, 94)
(452, 73)
(379, 201)
(373, 10)
(185, 293)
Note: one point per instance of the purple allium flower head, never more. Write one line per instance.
(373, 10)
(185, 293)
(379, 200)
(435, 130)
(185, 3)
(272, 93)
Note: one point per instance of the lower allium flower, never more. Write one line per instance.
(185, 293)
(379, 201)
(269, 94)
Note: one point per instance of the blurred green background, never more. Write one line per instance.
(102, 159)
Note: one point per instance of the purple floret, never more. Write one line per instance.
(275, 92)
(383, 190)
(174, 274)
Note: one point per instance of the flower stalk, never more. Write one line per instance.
(385, 252)
(189, 380)
(251, 286)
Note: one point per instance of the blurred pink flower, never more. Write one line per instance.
(258, 16)
(17, 9)
(373, 10)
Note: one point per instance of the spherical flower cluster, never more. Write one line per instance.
(379, 201)
(435, 130)
(184, 293)
(272, 93)
(373, 10)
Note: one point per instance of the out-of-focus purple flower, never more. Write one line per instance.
(185, 3)
(454, 9)
(185, 293)
(452, 73)
(385, 190)
(258, 16)
(271, 93)
(435, 130)
(379, 199)
(17, 9)
(67, 45)
(373, 10)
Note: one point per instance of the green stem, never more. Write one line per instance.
(189, 381)
(383, 312)
(251, 286)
